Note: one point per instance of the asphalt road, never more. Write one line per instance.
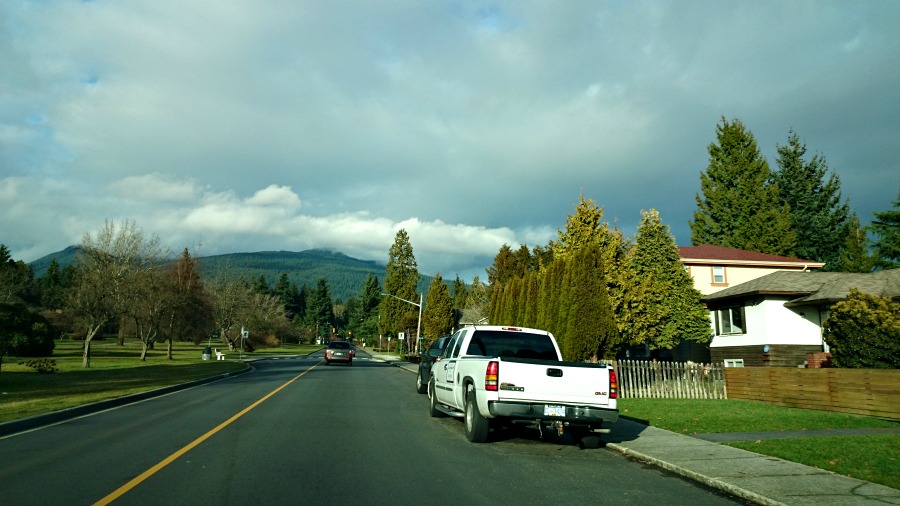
(295, 431)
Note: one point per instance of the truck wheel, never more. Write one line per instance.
(433, 411)
(477, 426)
(421, 387)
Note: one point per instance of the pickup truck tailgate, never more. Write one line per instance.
(573, 383)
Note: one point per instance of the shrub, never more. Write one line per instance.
(42, 365)
(864, 332)
(23, 333)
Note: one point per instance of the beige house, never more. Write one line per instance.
(716, 268)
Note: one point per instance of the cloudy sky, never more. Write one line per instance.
(250, 125)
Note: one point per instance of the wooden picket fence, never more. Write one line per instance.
(669, 380)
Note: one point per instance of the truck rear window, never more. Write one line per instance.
(498, 343)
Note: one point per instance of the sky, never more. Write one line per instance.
(246, 126)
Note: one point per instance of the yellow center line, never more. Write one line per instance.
(171, 458)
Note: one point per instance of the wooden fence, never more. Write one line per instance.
(670, 380)
(872, 392)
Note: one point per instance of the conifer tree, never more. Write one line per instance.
(400, 281)
(673, 309)
(855, 255)
(819, 218)
(437, 316)
(886, 227)
(591, 331)
(739, 208)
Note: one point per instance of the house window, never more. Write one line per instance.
(730, 320)
(734, 362)
(718, 275)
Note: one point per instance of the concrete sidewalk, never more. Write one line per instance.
(758, 478)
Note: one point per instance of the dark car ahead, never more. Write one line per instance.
(339, 351)
(426, 358)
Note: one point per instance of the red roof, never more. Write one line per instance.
(710, 252)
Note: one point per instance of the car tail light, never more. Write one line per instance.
(491, 375)
(613, 385)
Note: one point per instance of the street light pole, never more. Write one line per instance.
(418, 325)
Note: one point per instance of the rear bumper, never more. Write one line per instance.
(591, 415)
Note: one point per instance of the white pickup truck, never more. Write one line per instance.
(490, 375)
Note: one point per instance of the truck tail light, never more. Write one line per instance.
(613, 385)
(490, 376)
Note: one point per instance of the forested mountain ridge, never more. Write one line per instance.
(345, 275)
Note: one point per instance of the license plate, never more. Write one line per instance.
(554, 410)
(338, 354)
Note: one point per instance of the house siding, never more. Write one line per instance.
(779, 355)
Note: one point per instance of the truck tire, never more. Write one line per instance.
(433, 411)
(477, 426)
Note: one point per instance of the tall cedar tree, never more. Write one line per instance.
(505, 266)
(886, 227)
(818, 216)
(855, 255)
(739, 207)
(625, 290)
(320, 309)
(673, 309)
(401, 278)
(591, 331)
(437, 317)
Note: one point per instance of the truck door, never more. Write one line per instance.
(446, 371)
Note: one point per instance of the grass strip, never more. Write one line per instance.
(870, 458)
(697, 416)
(116, 370)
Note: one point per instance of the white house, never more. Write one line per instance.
(716, 268)
(775, 320)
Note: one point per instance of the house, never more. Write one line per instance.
(776, 319)
(715, 268)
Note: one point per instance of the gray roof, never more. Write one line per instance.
(812, 288)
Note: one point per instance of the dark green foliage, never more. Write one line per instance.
(400, 283)
(23, 333)
(886, 227)
(505, 266)
(672, 307)
(437, 317)
(819, 217)
(42, 365)
(739, 208)
(591, 332)
(855, 256)
(320, 309)
(863, 331)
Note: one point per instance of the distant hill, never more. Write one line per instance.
(345, 275)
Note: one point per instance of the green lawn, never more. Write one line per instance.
(870, 458)
(115, 371)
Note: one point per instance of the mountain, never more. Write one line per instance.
(346, 275)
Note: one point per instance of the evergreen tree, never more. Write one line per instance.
(320, 309)
(672, 307)
(52, 287)
(739, 207)
(505, 266)
(400, 281)
(855, 256)
(591, 331)
(819, 218)
(887, 229)
(437, 317)
(584, 227)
